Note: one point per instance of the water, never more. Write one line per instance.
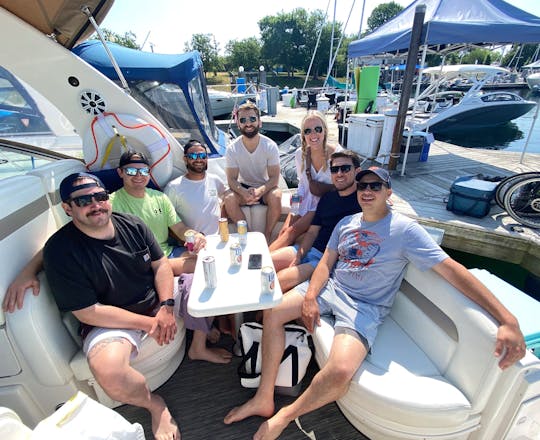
(509, 137)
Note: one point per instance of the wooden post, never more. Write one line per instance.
(406, 87)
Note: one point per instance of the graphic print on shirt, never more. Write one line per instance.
(358, 250)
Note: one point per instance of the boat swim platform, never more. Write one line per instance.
(422, 193)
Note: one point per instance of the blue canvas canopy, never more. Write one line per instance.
(138, 65)
(449, 22)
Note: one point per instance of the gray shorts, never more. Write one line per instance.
(348, 313)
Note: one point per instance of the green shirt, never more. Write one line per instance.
(154, 209)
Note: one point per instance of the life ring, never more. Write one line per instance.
(111, 134)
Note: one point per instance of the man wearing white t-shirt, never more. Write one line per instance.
(253, 170)
(196, 196)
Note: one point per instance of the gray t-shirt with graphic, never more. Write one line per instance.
(372, 255)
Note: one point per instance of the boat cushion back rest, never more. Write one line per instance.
(26, 222)
(51, 176)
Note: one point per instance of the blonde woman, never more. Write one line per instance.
(314, 180)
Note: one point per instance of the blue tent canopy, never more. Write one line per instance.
(138, 65)
(452, 22)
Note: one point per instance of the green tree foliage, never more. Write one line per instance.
(209, 49)
(518, 56)
(129, 39)
(246, 53)
(476, 56)
(382, 13)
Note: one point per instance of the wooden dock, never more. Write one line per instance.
(422, 193)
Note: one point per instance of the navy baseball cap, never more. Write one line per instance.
(381, 173)
(67, 188)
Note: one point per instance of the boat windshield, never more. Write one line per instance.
(500, 97)
(18, 160)
(168, 103)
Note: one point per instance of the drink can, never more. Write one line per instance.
(236, 254)
(209, 269)
(224, 229)
(268, 278)
(189, 239)
(295, 203)
(295, 198)
(241, 229)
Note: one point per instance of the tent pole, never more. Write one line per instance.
(406, 88)
(529, 135)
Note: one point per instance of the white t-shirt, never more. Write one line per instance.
(309, 201)
(197, 202)
(252, 167)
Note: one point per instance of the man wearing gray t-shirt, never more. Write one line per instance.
(356, 281)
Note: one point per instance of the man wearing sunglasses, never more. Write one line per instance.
(155, 209)
(295, 264)
(253, 171)
(109, 271)
(197, 195)
(356, 282)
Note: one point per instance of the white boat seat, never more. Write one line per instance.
(11, 426)
(51, 176)
(256, 214)
(431, 369)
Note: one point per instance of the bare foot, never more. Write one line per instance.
(213, 336)
(253, 407)
(271, 429)
(214, 355)
(163, 425)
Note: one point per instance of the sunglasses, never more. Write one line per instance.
(373, 186)
(251, 119)
(343, 168)
(82, 201)
(132, 171)
(317, 129)
(195, 156)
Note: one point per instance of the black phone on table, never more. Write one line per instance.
(254, 261)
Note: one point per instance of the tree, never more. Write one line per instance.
(129, 39)
(382, 13)
(245, 53)
(208, 48)
(519, 55)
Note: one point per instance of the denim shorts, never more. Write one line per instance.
(313, 256)
(177, 251)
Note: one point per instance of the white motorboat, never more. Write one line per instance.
(446, 112)
(533, 81)
(431, 373)
(223, 103)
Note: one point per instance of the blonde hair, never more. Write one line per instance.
(310, 115)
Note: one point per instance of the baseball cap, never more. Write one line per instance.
(132, 157)
(67, 188)
(381, 173)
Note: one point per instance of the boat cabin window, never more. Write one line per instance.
(167, 102)
(18, 161)
(499, 97)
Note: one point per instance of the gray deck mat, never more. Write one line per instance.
(200, 394)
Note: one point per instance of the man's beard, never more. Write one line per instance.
(250, 134)
(197, 170)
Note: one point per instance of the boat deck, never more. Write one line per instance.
(422, 193)
(200, 394)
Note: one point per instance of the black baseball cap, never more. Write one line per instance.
(131, 156)
(381, 173)
(67, 188)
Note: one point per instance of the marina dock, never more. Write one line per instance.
(423, 191)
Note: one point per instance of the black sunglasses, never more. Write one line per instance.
(194, 156)
(251, 119)
(373, 186)
(317, 129)
(132, 171)
(82, 201)
(343, 168)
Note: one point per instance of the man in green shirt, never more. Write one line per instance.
(155, 209)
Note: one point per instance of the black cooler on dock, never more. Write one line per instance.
(471, 196)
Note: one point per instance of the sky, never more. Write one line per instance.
(167, 24)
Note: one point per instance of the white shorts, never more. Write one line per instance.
(98, 334)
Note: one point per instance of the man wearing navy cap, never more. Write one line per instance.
(109, 271)
(356, 282)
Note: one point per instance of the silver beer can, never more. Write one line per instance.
(268, 278)
(236, 254)
(241, 229)
(209, 269)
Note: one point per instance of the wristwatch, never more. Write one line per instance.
(167, 302)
